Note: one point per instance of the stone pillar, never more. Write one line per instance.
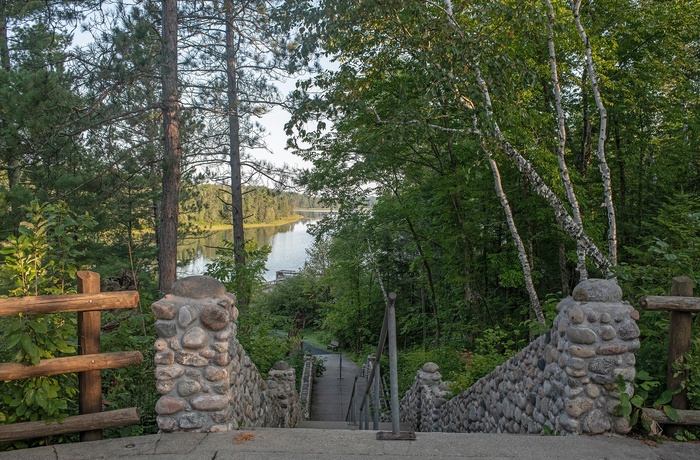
(281, 386)
(593, 341)
(196, 334)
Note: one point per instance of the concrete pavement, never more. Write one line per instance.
(333, 390)
(313, 444)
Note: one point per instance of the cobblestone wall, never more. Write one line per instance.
(206, 380)
(307, 385)
(564, 380)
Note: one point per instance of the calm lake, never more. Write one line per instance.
(289, 243)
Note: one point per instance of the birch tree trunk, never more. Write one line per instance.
(561, 136)
(522, 255)
(602, 163)
(167, 234)
(562, 216)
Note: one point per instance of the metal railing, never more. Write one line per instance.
(360, 413)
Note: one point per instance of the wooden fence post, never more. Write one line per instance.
(89, 382)
(680, 325)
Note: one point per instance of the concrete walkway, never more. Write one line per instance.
(332, 391)
(312, 444)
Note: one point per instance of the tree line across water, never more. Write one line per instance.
(205, 205)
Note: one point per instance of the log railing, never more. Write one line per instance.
(681, 304)
(88, 363)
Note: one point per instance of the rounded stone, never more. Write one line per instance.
(165, 386)
(214, 374)
(169, 372)
(627, 373)
(214, 318)
(192, 421)
(191, 359)
(581, 335)
(207, 353)
(210, 402)
(198, 287)
(224, 334)
(576, 315)
(188, 387)
(634, 314)
(605, 318)
(220, 347)
(628, 330)
(633, 345)
(621, 425)
(222, 359)
(186, 316)
(164, 357)
(165, 329)
(581, 352)
(576, 407)
(601, 365)
(607, 332)
(195, 338)
(597, 290)
(593, 391)
(593, 317)
(160, 344)
(280, 366)
(166, 423)
(167, 405)
(576, 363)
(163, 310)
(596, 422)
(611, 349)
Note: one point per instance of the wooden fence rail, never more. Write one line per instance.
(88, 363)
(681, 304)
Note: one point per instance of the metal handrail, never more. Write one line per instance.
(388, 331)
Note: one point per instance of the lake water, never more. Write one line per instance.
(289, 243)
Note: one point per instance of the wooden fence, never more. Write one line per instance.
(681, 304)
(88, 363)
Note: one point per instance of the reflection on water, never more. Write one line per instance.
(289, 243)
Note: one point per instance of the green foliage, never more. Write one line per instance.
(40, 261)
(491, 349)
(236, 277)
(447, 357)
(689, 366)
(630, 407)
(259, 340)
(132, 386)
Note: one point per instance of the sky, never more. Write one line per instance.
(276, 139)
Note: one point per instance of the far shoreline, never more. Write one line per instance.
(287, 220)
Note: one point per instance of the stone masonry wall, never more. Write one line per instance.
(565, 379)
(307, 384)
(206, 380)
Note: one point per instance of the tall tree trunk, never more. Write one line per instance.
(523, 165)
(561, 136)
(536, 308)
(235, 149)
(602, 162)
(167, 242)
(4, 46)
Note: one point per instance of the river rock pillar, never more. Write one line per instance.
(593, 341)
(196, 334)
